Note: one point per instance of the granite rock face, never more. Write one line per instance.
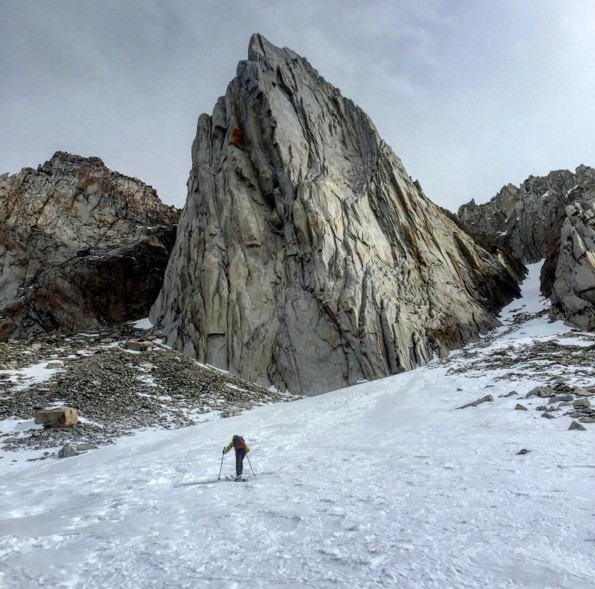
(80, 247)
(527, 219)
(548, 217)
(572, 265)
(306, 257)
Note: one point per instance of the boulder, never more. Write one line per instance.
(560, 398)
(86, 447)
(579, 392)
(582, 403)
(486, 399)
(519, 407)
(576, 425)
(138, 346)
(562, 388)
(67, 451)
(55, 364)
(542, 392)
(57, 417)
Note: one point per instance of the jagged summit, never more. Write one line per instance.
(65, 158)
(523, 218)
(306, 257)
(261, 49)
(142, 201)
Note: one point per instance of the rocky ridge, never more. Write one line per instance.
(114, 389)
(81, 247)
(569, 270)
(549, 217)
(306, 257)
(524, 219)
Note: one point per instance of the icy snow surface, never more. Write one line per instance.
(384, 484)
(143, 323)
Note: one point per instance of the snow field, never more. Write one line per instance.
(385, 484)
(382, 485)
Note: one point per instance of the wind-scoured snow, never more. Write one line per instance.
(384, 484)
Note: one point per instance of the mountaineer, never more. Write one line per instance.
(241, 449)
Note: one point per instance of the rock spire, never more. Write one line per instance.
(306, 257)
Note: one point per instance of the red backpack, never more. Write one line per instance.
(238, 443)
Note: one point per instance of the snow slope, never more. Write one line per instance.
(384, 484)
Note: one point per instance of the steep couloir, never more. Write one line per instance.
(549, 218)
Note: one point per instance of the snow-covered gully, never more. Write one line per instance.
(385, 484)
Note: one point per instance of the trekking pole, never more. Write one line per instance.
(248, 457)
(219, 477)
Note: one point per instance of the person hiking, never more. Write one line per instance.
(241, 449)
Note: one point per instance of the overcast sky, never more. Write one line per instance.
(470, 94)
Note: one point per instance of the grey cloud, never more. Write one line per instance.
(470, 95)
